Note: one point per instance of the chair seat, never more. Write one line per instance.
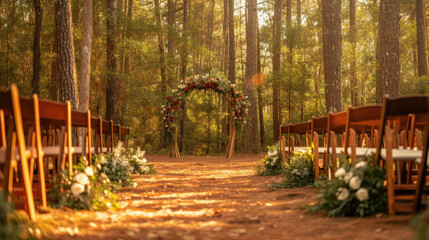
(297, 149)
(361, 151)
(28, 152)
(51, 151)
(397, 154)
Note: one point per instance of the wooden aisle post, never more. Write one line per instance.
(230, 148)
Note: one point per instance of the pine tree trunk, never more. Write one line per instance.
(161, 50)
(38, 11)
(289, 43)
(66, 67)
(183, 74)
(253, 144)
(231, 72)
(421, 40)
(331, 20)
(389, 47)
(85, 64)
(259, 90)
(128, 34)
(111, 91)
(170, 42)
(353, 41)
(277, 45)
(377, 58)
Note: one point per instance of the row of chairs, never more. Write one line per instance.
(391, 131)
(50, 137)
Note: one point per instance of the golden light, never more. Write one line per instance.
(258, 79)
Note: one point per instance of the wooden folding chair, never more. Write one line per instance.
(319, 127)
(125, 132)
(83, 120)
(363, 117)
(400, 196)
(336, 125)
(9, 101)
(97, 126)
(107, 129)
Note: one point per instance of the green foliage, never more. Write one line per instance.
(137, 160)
(356, 191)
(14, 225)
(89, 189)
(271, 163)
(421, 224)
(299, 172)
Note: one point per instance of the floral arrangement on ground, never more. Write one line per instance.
(92, 187)
(271, 163)
(299, 171)
(356, 190)
(237, 102)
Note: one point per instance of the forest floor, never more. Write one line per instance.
(214, 198)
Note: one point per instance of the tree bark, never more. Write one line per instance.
(421, 39)
(66, 67)
(128, 34)
(259, 90)
(253, 144)
(161, 50)
(331, 20)
(183, 74)
(111, 91)
(231, 72)
(277, 45)
(85, 62)
(389, 47)
(35, 84)
(289, 43)
(353, 41)
(170, 42)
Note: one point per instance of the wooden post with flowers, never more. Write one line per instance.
(237, 104)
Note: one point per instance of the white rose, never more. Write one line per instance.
(342, 194)
(266, 163)
(362, 194)
(361, 164)
(348, 176)
(275, 152)
(89, 171)
(77, 189)
(355, 183)
(340, 173)
(81, 178)
(144, 160)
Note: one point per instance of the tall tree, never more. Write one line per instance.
(66, 68)
(259, 89)
(183, 73)
(231, 72)
(289, 43)
(38, 12)
(161, 50)
(85, 62)
(421, 38)
(353, 41)
(111, 91)
(331, 21)
(252, 123)
(171, 5)
(128, 33)
(277, 46)
(389, 47)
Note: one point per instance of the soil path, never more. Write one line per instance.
(212, 198)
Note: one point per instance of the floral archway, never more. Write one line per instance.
(236, 101)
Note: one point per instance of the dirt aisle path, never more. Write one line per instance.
(212, 198)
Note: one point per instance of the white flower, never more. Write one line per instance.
(348, 176)
(89, 171)
(340, 173)
(266, 163)
(361, 164)
(81, 178)
(355, 183)
(342, 194)
(77, 189)
(362, 194)
(134, 184)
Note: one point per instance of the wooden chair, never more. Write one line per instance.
(107, 129)
(9, 101)
(400, 196)
(298, 130)
(363, 117)
(83, 120)
(336, 125)
(319, 127)
(126, 132)
(97, 126)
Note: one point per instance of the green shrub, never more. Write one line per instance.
(356, 191)
(421, 224)
(299, 172)
(271, 163)
(88, 189)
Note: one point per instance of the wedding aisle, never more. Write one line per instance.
(213, 198)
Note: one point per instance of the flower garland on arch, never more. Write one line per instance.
(237, 102)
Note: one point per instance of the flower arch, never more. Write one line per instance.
(236, 101)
